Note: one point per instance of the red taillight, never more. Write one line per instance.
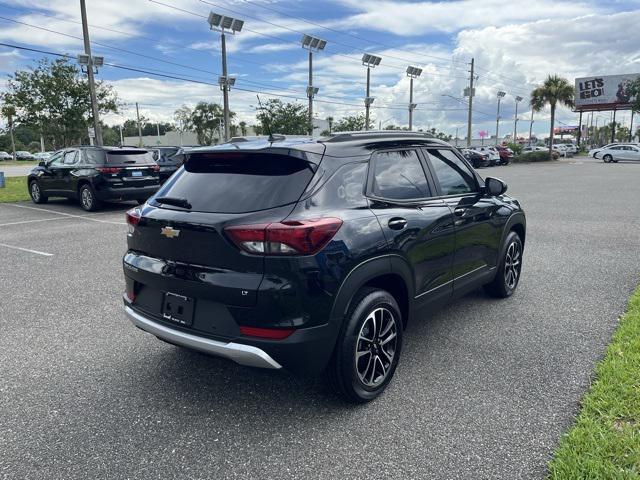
(133, 217)
(270, 333)
(291, 237)
(109, 169)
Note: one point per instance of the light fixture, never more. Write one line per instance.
(518, 99)
(369, 60)
(223, 23)
(311, 91)
(501, 94)
(368, 101)
(414, 72)
(313, 43)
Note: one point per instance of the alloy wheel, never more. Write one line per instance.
(86, 199)
(512, 265)
(35, 191)
(376, 347)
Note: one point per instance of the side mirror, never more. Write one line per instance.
(494, 186)
(42, 164)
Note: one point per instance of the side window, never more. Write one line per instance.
(399, 176)
(56, 159)
(70, 157)
(454, 176)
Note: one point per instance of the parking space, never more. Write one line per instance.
(484, 388)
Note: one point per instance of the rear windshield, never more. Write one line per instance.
(118, 157)
(164, 154)
(239, 182)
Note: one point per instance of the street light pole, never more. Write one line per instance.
(312, 44)
(412, 72)
(222, 23)
(500, 95)
(367, 102)
(369, 61)
(515, 122)
(470, 115)
(139, 126)
(92, 86)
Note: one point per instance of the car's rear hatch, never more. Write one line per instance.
(185, 249)
(128, 168)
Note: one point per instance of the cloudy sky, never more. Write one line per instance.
(515, 45)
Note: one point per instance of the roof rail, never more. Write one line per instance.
(373, 134)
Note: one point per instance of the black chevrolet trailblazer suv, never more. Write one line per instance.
(95, 174)
(314, 254)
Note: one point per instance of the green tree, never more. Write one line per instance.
(182, 117)
(53, 99)
(553, 91)
(353, 123)
(284, 118)
(243, 128)
(207, 120)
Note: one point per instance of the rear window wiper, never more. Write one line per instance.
(178, 202)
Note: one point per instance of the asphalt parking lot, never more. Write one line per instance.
(484, 388)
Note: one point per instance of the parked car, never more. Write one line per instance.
(168, 159)
(594, 151)
(534, 148)
(561, 149)
(94, 175)
(476, 159)
(570, 147)
(311, 255)
(24, 155)
(5, 156)
(42, 156)
(506, 154)
(491, 152)
(615, 153)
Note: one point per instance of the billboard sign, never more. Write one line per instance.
(602, 92)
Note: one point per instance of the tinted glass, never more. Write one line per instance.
(454, 176)
(239, 182)
(399, 176)
(129, 157)
(70, 157)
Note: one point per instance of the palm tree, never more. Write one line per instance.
(243, 128)
(9, 111)
(555, 90)
(330, 122)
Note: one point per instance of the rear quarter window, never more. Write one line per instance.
(239, 182)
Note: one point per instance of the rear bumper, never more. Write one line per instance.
(130, 193)
(239, 353)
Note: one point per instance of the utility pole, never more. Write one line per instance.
(515, 121)
(158, 132)
(470, 117)
(631, 127)
(580, 129)
(139, 126)
(92, 86)
(457, 136)
(500, 96)
(121, 137)
(531, 127)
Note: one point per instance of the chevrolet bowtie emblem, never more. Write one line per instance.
(169, 232)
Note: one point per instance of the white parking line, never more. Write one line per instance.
(83, 217)
(37, 252)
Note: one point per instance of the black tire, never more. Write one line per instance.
(36, 193)
(607, 158)
(370, 307)
(509, 268)
(88, 199)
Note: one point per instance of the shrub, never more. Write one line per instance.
(516, 147)
(533, 157)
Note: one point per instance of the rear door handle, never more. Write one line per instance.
(397, 223)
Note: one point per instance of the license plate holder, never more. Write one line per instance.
(136, 173)
(178, 308)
